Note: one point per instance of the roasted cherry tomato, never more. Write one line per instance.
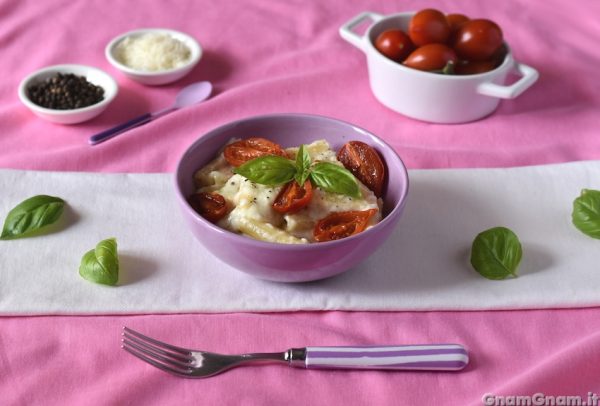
(455, 21)
(211, 206)
(430, 57)
(365, 163)
(428, 26)
(342, 224)
(293, 197)
(240, 152)
(394, 44)
(478, 40)
(474, 67)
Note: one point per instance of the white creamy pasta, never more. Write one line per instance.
(251, 213)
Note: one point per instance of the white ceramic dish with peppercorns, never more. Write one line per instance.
(80, 99)
(430, 95)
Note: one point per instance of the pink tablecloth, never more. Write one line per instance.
(273, 56)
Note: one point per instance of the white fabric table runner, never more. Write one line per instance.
(423, 266)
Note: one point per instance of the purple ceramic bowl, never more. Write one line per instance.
(290, 262)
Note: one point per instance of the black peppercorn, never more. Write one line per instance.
(65, 91)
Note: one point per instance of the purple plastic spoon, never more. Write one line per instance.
(191, 94)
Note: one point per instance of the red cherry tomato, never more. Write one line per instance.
(430, 57)
(211, 206)
(500, 54)
(428, 26)
(474, 67)
(464, 67)
(365, 163)
(394, 44)
(455, 21)
(342, 224)
(242, 151)
(478, 40)
(293, 197)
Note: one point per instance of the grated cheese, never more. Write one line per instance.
(152, 52)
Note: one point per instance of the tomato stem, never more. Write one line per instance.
(449, 68)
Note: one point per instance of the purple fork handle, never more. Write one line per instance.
(111, 132)
(442, 357)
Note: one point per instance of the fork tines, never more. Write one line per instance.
(169, 358)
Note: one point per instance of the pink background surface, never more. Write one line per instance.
(267, 57)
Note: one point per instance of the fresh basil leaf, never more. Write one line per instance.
(270, 170)
(31, 215)
(335, 179)
(496, 253)
(302, 165)
(586, 213)
(101, 265)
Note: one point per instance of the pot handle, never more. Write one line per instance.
(353, 38)
(528, 77)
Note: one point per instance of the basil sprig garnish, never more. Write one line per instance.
(273, 170)
(101, 265)
(586, 213)
(496, 253)
(269, 170)
(335, 179)
(30, 215)
(302, 165)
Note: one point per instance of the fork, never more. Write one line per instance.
(201, 364)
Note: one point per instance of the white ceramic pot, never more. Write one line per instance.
(429, 96)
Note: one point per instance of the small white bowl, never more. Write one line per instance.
(93, 75)
(155, 77)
